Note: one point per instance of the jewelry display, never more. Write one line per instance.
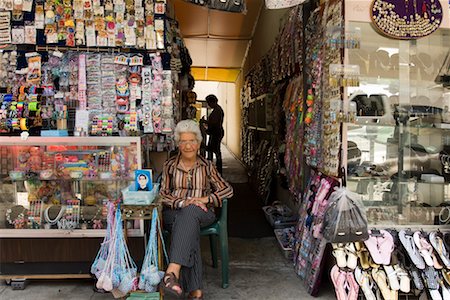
(35, 214)
(54, 221)
(397, 19)
(15, 216)
(87, 223)
(71, 217)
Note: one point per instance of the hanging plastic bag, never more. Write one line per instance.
(151, 276)
(345, 218)
(98, 265)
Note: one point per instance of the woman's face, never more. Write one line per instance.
(188, 145)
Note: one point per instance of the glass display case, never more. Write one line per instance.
(59, 186)
(398, 143)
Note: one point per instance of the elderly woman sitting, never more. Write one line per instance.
(190, 189)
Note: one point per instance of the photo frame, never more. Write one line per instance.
(143, 180)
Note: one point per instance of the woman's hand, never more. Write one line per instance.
(196, 202)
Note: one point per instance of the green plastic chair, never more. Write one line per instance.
(219, 229)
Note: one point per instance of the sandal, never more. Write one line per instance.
(170, 283)
(363, 255)
(340, 254)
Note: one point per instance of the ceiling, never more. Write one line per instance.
(217, 41)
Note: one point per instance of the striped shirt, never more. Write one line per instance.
(201, 180)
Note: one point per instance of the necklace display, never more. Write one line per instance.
(19, 221)
(94, 220)
(396, 19)
(50, 222)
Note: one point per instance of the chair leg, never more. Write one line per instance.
(224, 255)
(213, 246)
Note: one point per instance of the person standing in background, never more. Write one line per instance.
(215, 130)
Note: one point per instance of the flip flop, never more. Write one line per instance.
(340, 254)
(438, 244)
(417, 278)
(394, 284)
(363, 255)
(425, 249)
(380, 246)
(408, 243)
(380, 278)
(445, 290)
(365, 282)
(405, 284)
(432, 281)
(352, 286)
(446, 275)
(339, 278)
(352, 258)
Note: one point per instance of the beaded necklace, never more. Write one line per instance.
(85, 223)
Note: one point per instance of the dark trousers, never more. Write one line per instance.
(185, 225)
(214, 147)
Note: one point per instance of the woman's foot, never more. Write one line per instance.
(171, 285)
(196, 295)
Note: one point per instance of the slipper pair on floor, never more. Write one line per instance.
(346, 255)
(345, 285)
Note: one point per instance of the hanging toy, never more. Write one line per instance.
(309, 103)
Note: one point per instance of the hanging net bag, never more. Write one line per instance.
(150, 274)
(98, 265)
(345, 218)
(119, 274)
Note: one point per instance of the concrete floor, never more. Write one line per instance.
(258, 270)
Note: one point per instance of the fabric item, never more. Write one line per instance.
(185, 226)
(178, 184)
(278, 4)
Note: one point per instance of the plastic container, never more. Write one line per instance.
(286, 249)
(278, 221)
(133, 197)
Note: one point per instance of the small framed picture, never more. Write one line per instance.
(143, 180)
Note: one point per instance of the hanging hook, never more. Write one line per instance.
(344, 176)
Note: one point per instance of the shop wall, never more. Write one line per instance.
(267, 28)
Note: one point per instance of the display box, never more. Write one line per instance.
(133, 197)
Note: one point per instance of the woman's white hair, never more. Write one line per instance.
(187, 126)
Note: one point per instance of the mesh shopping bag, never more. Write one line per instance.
(150, 274)
(98, 265)
(345, 218)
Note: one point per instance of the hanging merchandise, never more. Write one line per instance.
(99, 264)
(278, 4)
(227, 5)
(119, 273)
(293, 108)
(345, 218)
(150, 275)
(331, 96)
(309, 241)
